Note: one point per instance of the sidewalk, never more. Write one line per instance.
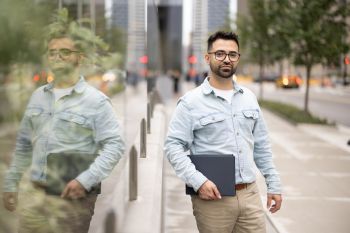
(314, 169)
(314, 166)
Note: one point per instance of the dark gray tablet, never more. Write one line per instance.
(220, 169)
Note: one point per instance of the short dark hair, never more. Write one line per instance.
(222, 35)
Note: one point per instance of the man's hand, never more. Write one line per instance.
(277, 201)
(73, 190)
(10, 200)
(209, 191)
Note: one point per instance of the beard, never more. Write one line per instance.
(223, 71)
(62, 68)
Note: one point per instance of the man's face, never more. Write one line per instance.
(62, 56)
(222, 65)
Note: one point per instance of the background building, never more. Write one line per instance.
(170, 26)
(136, 36)
(208, 16)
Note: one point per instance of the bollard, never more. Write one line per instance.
(151, 100)
(110, 226)
(148, 118)
(133, 174)
(143, 139)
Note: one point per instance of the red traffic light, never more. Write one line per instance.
(346, 60)
(192, 59)
(144, 59)
(36, 78)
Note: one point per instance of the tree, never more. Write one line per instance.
(262, 36)
(21, 40)
(317, 30)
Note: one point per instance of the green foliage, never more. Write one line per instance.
(291, 113)
(21, 31)
(317, 30)
(307, 31)
(84, 39)
(311, 31)
(253, 32)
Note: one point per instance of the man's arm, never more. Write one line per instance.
(263, 160)
(21, 160)
(177, 144)
(108, 134)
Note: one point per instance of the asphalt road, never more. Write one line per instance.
(332, 104)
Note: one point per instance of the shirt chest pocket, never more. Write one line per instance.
(37, 117)
(213, 128)
(71, 127)
(247, 119)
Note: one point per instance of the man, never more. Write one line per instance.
(71, 123)
(221, 117)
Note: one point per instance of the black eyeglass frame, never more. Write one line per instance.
(54, 52)
(226, 54)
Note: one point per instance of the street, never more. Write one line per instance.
(330, 103)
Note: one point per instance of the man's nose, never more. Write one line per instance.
(227, 59)
(57, 56)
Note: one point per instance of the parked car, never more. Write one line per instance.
(289, 81)
(266, 78)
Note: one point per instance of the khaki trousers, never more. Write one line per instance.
(242, 213)
(42, 213)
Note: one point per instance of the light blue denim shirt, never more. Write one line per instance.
(204, 123)
(82, 122)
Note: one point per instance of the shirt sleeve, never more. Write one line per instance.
(263, 156)
(177, 144)
(22, 156)
(108, 134)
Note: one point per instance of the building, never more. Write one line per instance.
(119, 14)
(170, 29)
(136, 36)
(208, 16)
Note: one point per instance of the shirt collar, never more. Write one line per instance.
(207, 88)
(79, 87)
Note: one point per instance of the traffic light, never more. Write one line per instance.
(346, 60)
(192, 59)
(144, 59)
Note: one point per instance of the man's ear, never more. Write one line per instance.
(207, 58)
(81, 58)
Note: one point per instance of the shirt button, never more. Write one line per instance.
(237, 134)
(240, 151)
(234, 115)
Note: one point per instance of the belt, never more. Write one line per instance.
(242, 186)
(39, 185)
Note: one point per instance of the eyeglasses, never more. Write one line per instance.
(221, 55)
(63, 53)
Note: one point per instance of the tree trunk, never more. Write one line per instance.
(306, 100)
(280, 68)
(261, 75)
(5, 107)
(345, 83)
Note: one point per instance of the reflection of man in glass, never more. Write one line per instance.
(70, 137)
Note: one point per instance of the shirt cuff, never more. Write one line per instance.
(274, 188)
(87, 180)
(197, 180)
(10, 185)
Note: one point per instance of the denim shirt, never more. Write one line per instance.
(82, 122)
(204, 123)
